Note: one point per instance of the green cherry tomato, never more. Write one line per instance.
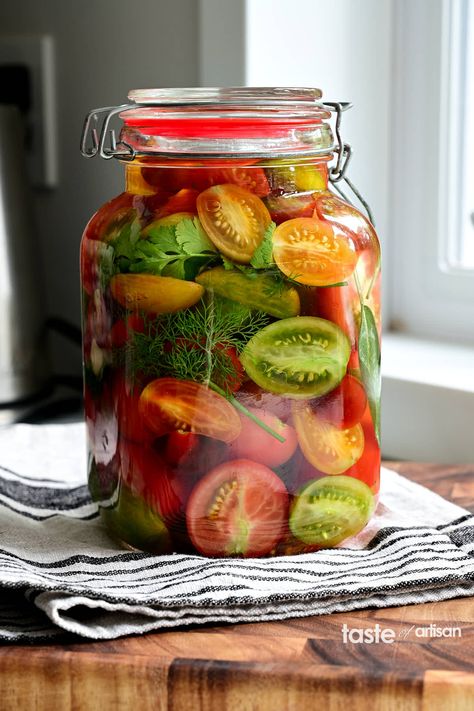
(300, 357)
(260, 291)
(326, 511)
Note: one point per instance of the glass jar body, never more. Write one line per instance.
(231, 321)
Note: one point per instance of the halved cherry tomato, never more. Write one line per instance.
(111, 217)
(260, 446)
(234, 219)
(154, 294)
(354, 223)
(201, 177)
(326, 447)
(238, 508)
(344, 406)
(313, 252)
(189, 406)
(289, 206)
(329, 510)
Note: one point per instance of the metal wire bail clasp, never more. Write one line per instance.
(94, 135)
(344, 154)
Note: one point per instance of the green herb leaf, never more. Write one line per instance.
(369, 359)
(124, 244)
(263, 255)
(191, 237)
(164, 238)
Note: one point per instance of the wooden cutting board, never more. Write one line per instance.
(296, 665)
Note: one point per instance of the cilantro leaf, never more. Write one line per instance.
(191, 237)
(263, 255)
(124, 243)
(164, 238)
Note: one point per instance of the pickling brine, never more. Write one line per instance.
(231, 326)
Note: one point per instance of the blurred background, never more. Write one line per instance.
(408, 68)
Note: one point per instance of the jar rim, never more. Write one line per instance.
(258, 96)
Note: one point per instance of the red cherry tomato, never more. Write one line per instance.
(132, 426)
(179, 447)
(200, 177)
(367, 469)
(289, 206)
(123, 330)
(110, 218)
(148, 476)
(238, 508)
(345, 405)
(334, 303)
(169, 404)
(183, 201)
(260, 446)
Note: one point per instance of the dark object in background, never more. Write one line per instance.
(24, 367)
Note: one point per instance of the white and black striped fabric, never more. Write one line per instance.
(60, 573)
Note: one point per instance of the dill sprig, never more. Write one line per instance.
(195, 344)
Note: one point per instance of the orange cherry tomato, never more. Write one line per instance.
(325, 446)
(189, 406)
(183, 201)
(313, 252)
(234, 219)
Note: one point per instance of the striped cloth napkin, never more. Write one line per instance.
(61, 573)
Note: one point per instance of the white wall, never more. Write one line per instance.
(103, 48)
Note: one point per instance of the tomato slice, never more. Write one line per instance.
(326, 447)
(329, 510)
(234, 219)
(299, 357)
(260, 446)
(344, 406)
(313, 252)
(154, 294)
(239, 508)
(202, 176)
(189, 406)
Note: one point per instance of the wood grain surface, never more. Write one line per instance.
(270, 666)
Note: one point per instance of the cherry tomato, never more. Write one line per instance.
(328, 448)
(335, 303)
(344, 406)
(201, 177)
(313, 252)
(354, 223)
(148, 476)
(110, 218)
(183, 201)
(367, 468)
(238, 508)
(289, 206)
(123, 329)
(189, 406)
(234, 219)
(154, 294)
(179, 447)
(329, 510)
(126, 400)
(260, 446)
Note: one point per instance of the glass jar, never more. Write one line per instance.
(231, 324)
